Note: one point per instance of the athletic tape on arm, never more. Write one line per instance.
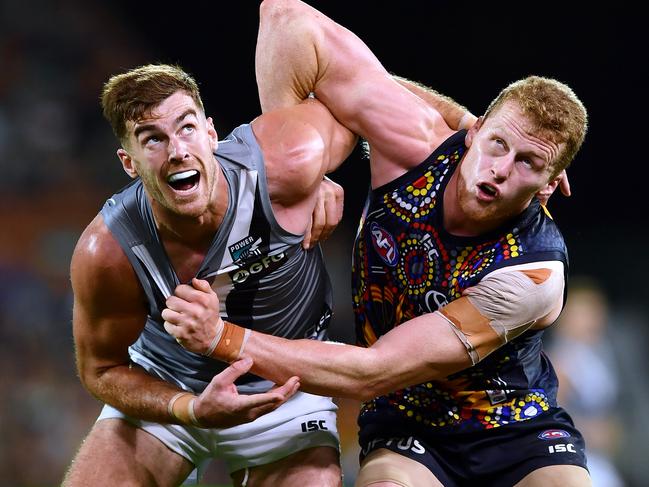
(503, 305)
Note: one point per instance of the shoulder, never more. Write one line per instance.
(99, 266)
(97, 247)
(543, 232)
(522, 282)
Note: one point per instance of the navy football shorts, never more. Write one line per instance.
(494, 457)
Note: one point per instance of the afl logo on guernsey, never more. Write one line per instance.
(384, 245)
(553, 434)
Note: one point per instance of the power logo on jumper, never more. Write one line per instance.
(245, 249)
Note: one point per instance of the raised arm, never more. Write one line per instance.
(287, 76)
(300, 50)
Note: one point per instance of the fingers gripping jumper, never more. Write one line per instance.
(229, 342)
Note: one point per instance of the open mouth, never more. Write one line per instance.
(185, 180)
(488, 190)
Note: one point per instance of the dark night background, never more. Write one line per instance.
(58, 165)
(469, 52)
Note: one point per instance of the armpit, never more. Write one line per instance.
(503, 305)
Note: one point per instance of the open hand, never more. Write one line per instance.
(221, 406)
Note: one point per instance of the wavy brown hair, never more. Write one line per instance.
(132, 95)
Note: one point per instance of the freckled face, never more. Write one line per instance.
(171, 150)
(504, 167)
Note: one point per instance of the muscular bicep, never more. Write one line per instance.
(401, 128)
(505, 304)
(109, 312)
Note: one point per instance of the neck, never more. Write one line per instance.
(453, 220)
(196, 231)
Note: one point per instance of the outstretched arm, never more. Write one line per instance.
(422, 349)
(429, 347)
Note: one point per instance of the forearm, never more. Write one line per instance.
(324, 368)
(133, 391)
(286, 61)
(422, 349)
(455, 115)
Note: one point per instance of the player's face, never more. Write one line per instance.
(171, 150)
(504, 167)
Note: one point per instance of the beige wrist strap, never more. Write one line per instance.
(181, 408)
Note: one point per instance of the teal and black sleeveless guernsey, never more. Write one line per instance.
(264, 279)
(406, 265)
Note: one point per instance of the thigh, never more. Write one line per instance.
(393, 454)
(117, 453)
(557, 476)
(314, 466)
(385, 468)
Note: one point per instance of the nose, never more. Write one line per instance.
(177, 150)
(501, 167)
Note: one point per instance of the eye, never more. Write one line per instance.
(499, 145)
(188, 129)
(151, 140)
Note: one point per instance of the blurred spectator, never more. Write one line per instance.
(58, 164)
(589, 377)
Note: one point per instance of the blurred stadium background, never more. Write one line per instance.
(58, 165)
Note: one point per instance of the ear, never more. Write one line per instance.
(468, 140)
(546, 191)
(127, 163)
(213, 136)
